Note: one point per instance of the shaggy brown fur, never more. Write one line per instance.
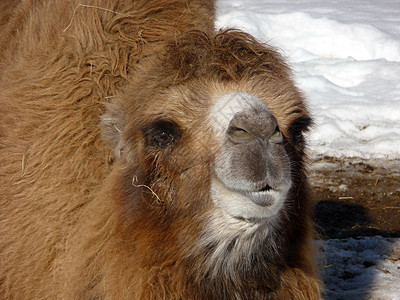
(91, 215)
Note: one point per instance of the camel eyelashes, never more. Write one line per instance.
(161, 133)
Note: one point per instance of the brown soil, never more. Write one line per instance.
(356, 198)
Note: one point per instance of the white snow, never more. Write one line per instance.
(365, 268)
(346, 59)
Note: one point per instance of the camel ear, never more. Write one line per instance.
(112, 125)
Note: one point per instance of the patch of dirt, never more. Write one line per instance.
(356, 197)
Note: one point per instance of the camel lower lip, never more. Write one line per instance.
(262, 198)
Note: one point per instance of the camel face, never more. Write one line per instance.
(251, 172)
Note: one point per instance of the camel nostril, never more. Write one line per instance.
(238, 134)
(256, 122)
(276, 137)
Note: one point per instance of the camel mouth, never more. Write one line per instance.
(264, 197)
(248, 187)
(249, 203)
(266, 188)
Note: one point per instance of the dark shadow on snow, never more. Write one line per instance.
(338, 220)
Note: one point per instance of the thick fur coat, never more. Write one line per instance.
(87, 211)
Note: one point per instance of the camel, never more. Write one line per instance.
(146, 155)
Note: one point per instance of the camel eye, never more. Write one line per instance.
(162, 138)
(161, 133)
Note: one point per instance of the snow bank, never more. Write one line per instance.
(366, 268)
(346, 59)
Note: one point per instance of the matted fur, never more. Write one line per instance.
(91, 215)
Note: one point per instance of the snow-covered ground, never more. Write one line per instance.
(346, 59)
(366, 268)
